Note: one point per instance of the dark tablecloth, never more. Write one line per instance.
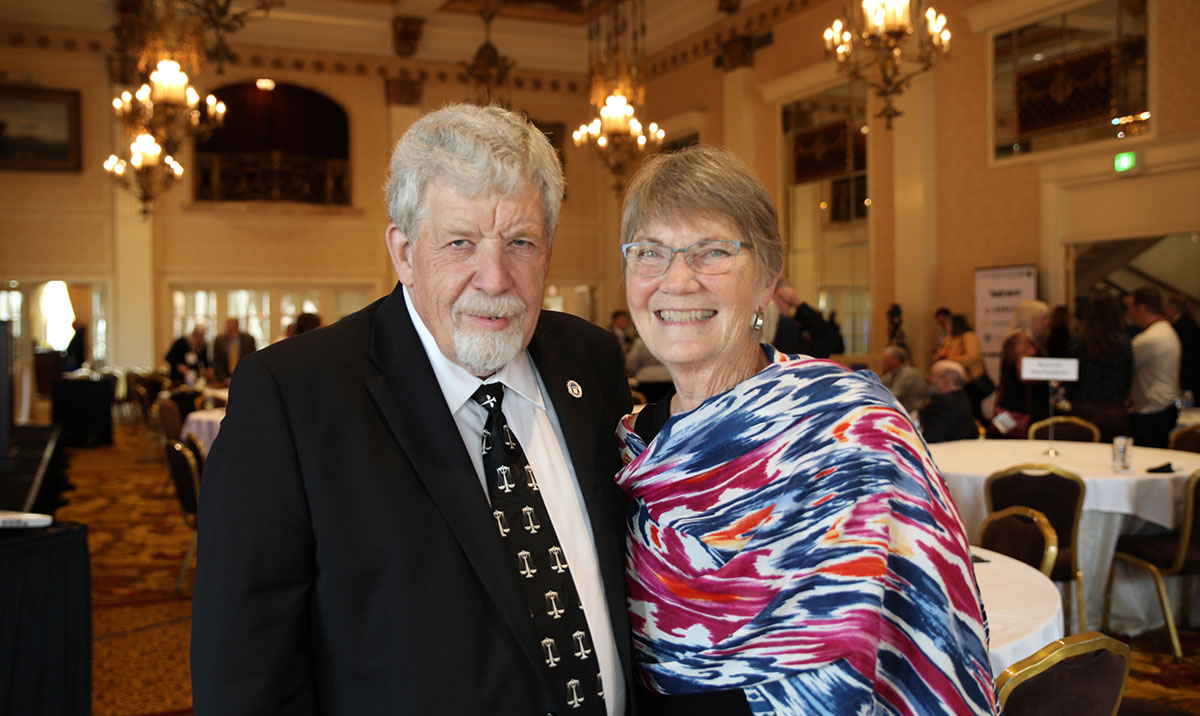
(83, 408)
(45, 621)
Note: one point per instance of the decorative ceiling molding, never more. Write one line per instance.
(1003, 15)
(752, 20)
(278, 59)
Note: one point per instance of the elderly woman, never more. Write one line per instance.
(792, 548)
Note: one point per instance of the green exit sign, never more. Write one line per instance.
(1125, 163)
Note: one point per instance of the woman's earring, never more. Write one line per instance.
(757, 323)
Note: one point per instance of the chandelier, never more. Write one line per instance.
(617, 64)
(873, 42)
(488, 69)
(159, 42)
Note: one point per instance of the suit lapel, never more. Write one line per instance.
(412, 405)
(577, 417)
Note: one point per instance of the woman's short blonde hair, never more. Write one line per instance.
(1027, 313)
(706, 182)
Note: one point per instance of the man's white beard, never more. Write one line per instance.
(481, 351)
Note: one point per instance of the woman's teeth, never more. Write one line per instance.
(685, 316)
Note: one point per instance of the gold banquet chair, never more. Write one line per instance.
(1022, 533)
(1066, 427)
(1058, 494)
(1186, 438)
(1165, 555)
(185, 473)
(1081, 675)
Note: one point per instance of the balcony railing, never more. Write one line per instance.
(272, 176)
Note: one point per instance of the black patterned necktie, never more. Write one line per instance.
(565, 644)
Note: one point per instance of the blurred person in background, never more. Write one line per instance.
(961, 345)
(1023, 403)
(1105, 367)
(1058, 333)
(1156, 352)
(306, 322)
(947, 415)
(228, 348)
(902, 379)
(1178, 311)
(188, 356)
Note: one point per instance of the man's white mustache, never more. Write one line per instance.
(498, 306)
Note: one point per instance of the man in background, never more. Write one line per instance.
(621, 326)
(801, 328)
(1156, 353)
(902, 379)
(229, 348)
(188, 356)
(948, 414)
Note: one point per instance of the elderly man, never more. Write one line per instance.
(948, 414)
(1156, 358)
(902, 379)
(412, 511)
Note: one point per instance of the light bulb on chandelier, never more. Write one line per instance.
(884, 28)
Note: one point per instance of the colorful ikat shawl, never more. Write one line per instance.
(793, 538)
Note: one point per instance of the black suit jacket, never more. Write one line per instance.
(348, 561)
(948, 416)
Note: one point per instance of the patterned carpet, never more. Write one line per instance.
(138, 539)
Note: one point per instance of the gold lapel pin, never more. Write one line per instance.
(574, 389)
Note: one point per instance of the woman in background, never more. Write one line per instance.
(1105, 367)
(1023, 403)
(961, 345)
(792, 548)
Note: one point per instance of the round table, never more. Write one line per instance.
(204, 424)
(1114, 504)
(1024, 611)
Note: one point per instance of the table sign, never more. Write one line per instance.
(1055, 370)
(1060, 369)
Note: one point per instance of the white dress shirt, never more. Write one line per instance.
(537, 429)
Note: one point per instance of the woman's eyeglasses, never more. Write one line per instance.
(710, 256)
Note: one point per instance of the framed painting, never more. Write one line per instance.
(39, 129)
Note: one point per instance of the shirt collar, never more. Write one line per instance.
(458, 384)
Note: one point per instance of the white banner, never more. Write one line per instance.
(998, 290)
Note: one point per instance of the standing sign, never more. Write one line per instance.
(998, 290)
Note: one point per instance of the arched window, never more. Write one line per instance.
(287, 143)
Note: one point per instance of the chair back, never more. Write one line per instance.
(185, 473)
(1186, 438)
(168, 416)
(1189, 531)
(1081, 675)
(1066, 427)
(1022, 533)
(193, 443)
(1053, 491)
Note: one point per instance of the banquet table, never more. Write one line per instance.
(204, 424)
(1024, 611)
(1115, 503)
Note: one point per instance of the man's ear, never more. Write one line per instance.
(400, 250)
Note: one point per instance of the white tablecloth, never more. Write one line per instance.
(1023, 608)
(204, 424)
(1115, 504)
